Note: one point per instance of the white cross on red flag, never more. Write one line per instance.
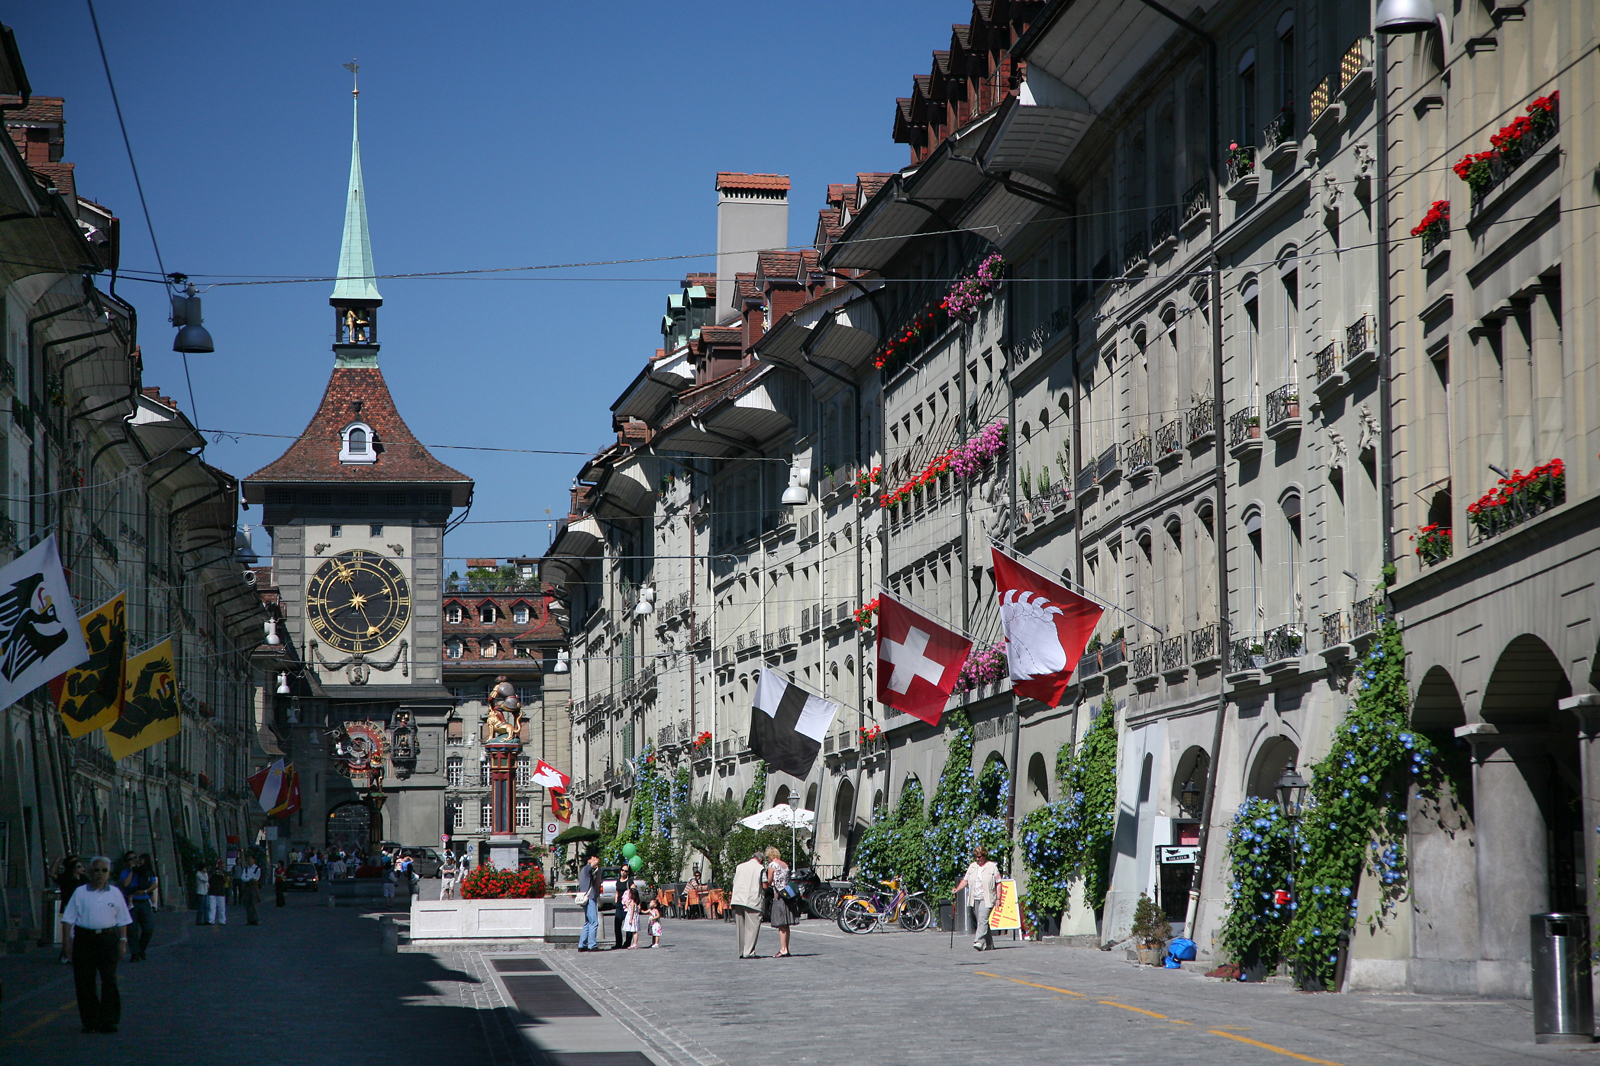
(1046, 628)
(918, 660)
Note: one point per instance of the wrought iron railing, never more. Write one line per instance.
(1241, 162)
(1243, 425)
(1332, 629)
(1514, 153)
(1196, 200)
(1142, 660)
(1169, 438)
(1246, 652)
(1278, 131)
(1202, 420)
(1174, 652)
(1283, 403)
(1433, 235)
(1139, 452)
(1508, 508)
(1327, 361)
(1203, 643)
(1364, 617)
(1320, 94)
(1133, 252)
(1162, 225)
(1285, 642)
(1358, 337)
(1353, 62)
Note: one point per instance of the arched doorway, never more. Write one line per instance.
(347, 827)
(1274, 756)
(1039, 777)
(1442, 844)
(1188, 792)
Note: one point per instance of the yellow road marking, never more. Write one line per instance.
(1124, 1006)
(42, 1020)
(1030, 984)
(1273, 1047)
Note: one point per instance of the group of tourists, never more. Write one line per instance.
(762, 881)
(637, 914)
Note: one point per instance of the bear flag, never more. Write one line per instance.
(1046, 629)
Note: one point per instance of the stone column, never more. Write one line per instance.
(1586, 708)
(1513, 867)
(503, 840)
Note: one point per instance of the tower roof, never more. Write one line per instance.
(355, 281)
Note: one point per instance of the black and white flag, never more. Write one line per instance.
(40, 637)
(787, 723)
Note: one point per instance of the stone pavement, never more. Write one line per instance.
(310, 986)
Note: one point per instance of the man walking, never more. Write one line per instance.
(94, 934)
(983, 877)
(202, 895)
(248, 876)
(217, 889)
(139, 883)
(746, 903)
(589, 889)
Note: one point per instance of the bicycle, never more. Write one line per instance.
(866, 911)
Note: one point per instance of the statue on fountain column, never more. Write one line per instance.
(505, 711)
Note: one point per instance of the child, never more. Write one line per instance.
(655, 924)
(630, 924)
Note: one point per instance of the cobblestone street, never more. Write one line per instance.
(310, 986)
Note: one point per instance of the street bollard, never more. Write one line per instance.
(332, 902)
(389, 932)
(1563, 1001)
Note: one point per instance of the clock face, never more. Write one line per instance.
(358, 601)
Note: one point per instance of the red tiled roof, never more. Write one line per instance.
(770, 182)
(40, 109)
(715, 335)
(59, 175)
(779, 266)
(837, 193)
(867, 186)
(357, 394)
(746, 287)
(828, 226)
(708, 280)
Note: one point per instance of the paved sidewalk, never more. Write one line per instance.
(895, 997)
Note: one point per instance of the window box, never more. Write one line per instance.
(1242, 176)
(1277, 141)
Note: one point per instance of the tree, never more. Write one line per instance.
(706, 827)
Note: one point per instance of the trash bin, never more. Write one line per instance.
(1563, 996)
(960, 914)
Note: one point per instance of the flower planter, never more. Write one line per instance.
(483, 919)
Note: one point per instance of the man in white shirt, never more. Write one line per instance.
(94, 935)
(746, 904)
(247, 875)
(983, 877)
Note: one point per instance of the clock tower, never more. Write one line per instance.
(357, 510)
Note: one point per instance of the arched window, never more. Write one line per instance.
(358, 444)
(486, 614)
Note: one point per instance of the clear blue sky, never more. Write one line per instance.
(493, 134)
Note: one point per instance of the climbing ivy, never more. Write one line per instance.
(755, 797)
(1070, 838)
(892, 846)
(1261, 848)
(966, 811)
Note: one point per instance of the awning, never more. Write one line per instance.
(834, 327)
(1000, 211)
(1094, 47)
(626, 488)
(1035, 138)
(655, 386)
(162, 429)
(579, 541)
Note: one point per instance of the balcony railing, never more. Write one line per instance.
(1203, 643)
(1355, 61)
(1169, 438)
(1327, 361)
(1134, 252)
(1278, 131)
(1196, 201)
(1364, 617)
(1175, 652)
(1106, 465)
(1142, 661)
(1246, 652)
(1139, 452)
(1283, 404)
(1244, 425)
(1162, 226)
(1241, 162)
(1321, 93)
(1285, 642)
(1202, 420)
(1514, 154)
(1085, 478)
(1332, 629)
(1113, 654)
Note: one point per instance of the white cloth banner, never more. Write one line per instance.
(39, 633)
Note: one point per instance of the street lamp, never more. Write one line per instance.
(1406, 16)
(1189, 796)
(192, 337)
(799, 476)
(1291, 789)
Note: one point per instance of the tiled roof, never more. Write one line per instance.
(746, 287)
(837, 192)
(357, 394)
(41, 109)
(828, 225)
(711, 336)
(690, 402)
(770, 182)
(779, 266)
(867, 185)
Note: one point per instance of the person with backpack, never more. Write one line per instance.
(217, 891)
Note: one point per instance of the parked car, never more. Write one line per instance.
(302, 876)
(425, 861)
(608, 888)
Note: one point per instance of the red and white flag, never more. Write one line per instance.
(1046, 628)
(918, 660)
(277, 788)
(549, 777)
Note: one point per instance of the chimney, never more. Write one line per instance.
(752, 216)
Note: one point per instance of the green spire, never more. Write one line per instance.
(356, 275)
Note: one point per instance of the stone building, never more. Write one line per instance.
(115, 471)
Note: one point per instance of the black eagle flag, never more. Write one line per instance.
(150, 709)
(39, 634)
(90, 696)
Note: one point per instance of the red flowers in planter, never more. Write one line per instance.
(1438, 217)
(866, 612)
(1433, 543)
(1477, 168)
(1519, 497)
(702, 739)
(870, 733)
(486, 882)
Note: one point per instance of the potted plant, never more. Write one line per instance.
(1151, 931)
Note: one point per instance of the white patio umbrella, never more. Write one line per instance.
(785, 816)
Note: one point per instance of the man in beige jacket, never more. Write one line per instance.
(746, 903)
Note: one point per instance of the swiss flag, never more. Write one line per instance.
(1046, 629)
(549, 777)
(918, 660)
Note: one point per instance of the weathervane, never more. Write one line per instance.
(355, 85)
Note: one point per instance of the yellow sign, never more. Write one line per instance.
(150, 713)
(91, 695)
(1005, 914)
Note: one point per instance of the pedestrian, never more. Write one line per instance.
(782, 900)
(217, 889)
(139, 885)
(447, 876)
(619, 914)
(389, 879)
(983, 878)
(630, 921)
(336, 868)
(746, 903)
(589, 889)
(655, 924)
(248, 877)
(94, 935)
(280, 874)
(70, 873)
(202, 895)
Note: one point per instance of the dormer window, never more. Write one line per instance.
(488, 649)
(486, 614)
(357, 445)
(452, 614)
(519, 614)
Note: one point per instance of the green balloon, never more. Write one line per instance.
(630, 850)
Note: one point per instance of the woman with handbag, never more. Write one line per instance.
(782, 900)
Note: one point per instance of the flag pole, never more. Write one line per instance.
(882, 588)
(1080, 590)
